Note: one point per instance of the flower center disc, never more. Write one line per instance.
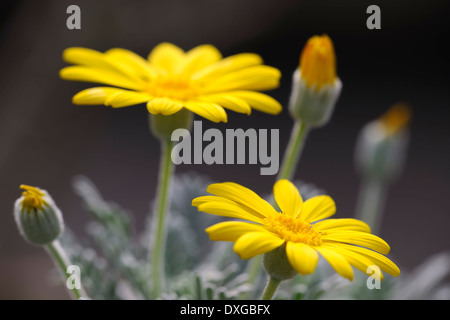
(172, 87)
(295, 230)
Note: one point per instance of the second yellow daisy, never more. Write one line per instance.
(301, 229)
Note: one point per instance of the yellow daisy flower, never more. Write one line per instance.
(199, 80)
(302, 228)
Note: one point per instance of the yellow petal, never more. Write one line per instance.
(254, 243)
(333, 225)
(259, 101)
(287, 197)
(198, 58)
(97, 60)
(363, 239)
(317, 208)
(383, 262)
(242, 195)
(93, 96)
(220, 208)
(210, 111)
(85, 57)
(227, 65)
(253, 78)
(86, 74)
(166, 57)
(126, 98)
(302, 257)
(205, 199)
(337, 261)
(134, 61)
(232, 230)
(229, 102)
(163, 106)
(357, 260)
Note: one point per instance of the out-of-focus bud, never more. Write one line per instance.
(38, 218)
(382, 145)
(316, 86)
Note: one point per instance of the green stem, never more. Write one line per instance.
(58, 254)
(370, 205)
(287, 171)
(158, 256)
(293, 151)
(271, 287)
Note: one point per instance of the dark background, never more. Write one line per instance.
(46, 141)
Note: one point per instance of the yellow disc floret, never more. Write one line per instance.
(173, 87)
(295, 230)
(33, 198)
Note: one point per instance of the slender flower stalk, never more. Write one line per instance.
(56, 251)
(371, 202)
(271, 288)
(161, 215)
(293, 151)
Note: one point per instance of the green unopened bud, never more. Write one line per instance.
(38, 218)
(381, 147)
(162, 126)
(277, 265)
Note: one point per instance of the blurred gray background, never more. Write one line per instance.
(46, 141)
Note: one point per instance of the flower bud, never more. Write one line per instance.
(38, 218)
(316, 86)
(382, 143)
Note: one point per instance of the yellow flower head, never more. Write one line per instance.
(318, 62)
(396, 118)
(302, 228)
(199, 80)
(33, 198)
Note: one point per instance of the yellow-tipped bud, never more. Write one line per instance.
(318, 62)
(382, 144)
(37, 216)
(315, 85)
(396, 118)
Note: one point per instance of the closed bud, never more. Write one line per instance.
(381, 146)
(315, 87)
(38, 218)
